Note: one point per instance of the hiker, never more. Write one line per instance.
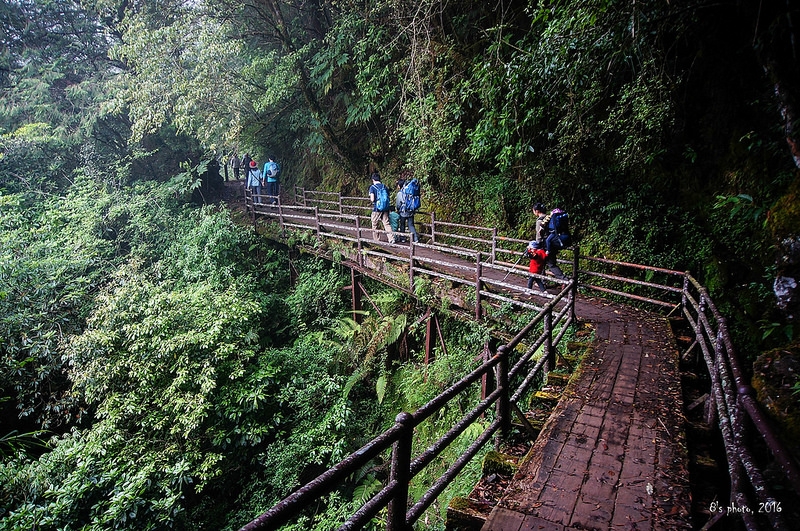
(538, 255)
(271, 171)
(394, 221)
(234, 163)
(558, 231)
(379, 195)
(542, 232)
(254, 181)
(245, 165)
(405, 205)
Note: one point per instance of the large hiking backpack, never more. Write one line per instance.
(411, 195)
(381, 198)
(559, 228)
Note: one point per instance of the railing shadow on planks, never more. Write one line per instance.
(473, 251)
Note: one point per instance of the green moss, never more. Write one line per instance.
(459, 504)
(558, 378)
(784, 216)
(497, 463)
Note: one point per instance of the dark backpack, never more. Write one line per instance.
(559, 222)
(411, 195)
(381, 198)
(559, 226)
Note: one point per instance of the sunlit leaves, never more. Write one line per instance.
(274, 80)
(184, 72)
(177, 345)
(54, 54)
(51, 261)
(317, 298)
(163, 361)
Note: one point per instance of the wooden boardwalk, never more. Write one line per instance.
(612, 456)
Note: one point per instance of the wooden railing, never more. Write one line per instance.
(507, 365)
(734, 406)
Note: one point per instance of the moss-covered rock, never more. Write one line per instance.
(775, 378)
(784, 223)
(784, 216)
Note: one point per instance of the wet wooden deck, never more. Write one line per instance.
(612, 456)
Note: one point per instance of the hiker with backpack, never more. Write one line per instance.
(543, 233)
(271, 171)
(558, 231)
(254, 181)
(406, 204)
(379, 195)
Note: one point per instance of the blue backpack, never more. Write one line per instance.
(411, 194)
(381, 198)
(559, 222)
(559, 229)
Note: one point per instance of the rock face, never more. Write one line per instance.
(785, 289)
(777, 373)
(774, 375)
(784, 222)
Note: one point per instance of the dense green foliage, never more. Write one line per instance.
(184, 358)
(635, 117)
(180, 379)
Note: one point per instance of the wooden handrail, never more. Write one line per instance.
(732, 397)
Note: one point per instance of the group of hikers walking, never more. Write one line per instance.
(407, 202)
(551, 235)
(257, 180)
(551, 232)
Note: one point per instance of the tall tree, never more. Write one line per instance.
(54, 60)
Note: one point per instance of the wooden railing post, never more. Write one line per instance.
(340, 202)
(316, 219)
(503, 402)
(685, 292)
(253, 210)
(494, 244)
(355, 278)
(478, 286)
(433, 227)
(429, 336)
(359, 260)
(400, 474)
(280, 217)
(411, 265)
(549, 351)
(574, 290)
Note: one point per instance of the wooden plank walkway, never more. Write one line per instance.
(612, 455)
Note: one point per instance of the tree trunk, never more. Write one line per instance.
(330, 136)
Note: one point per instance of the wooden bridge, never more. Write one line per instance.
(613, 453)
